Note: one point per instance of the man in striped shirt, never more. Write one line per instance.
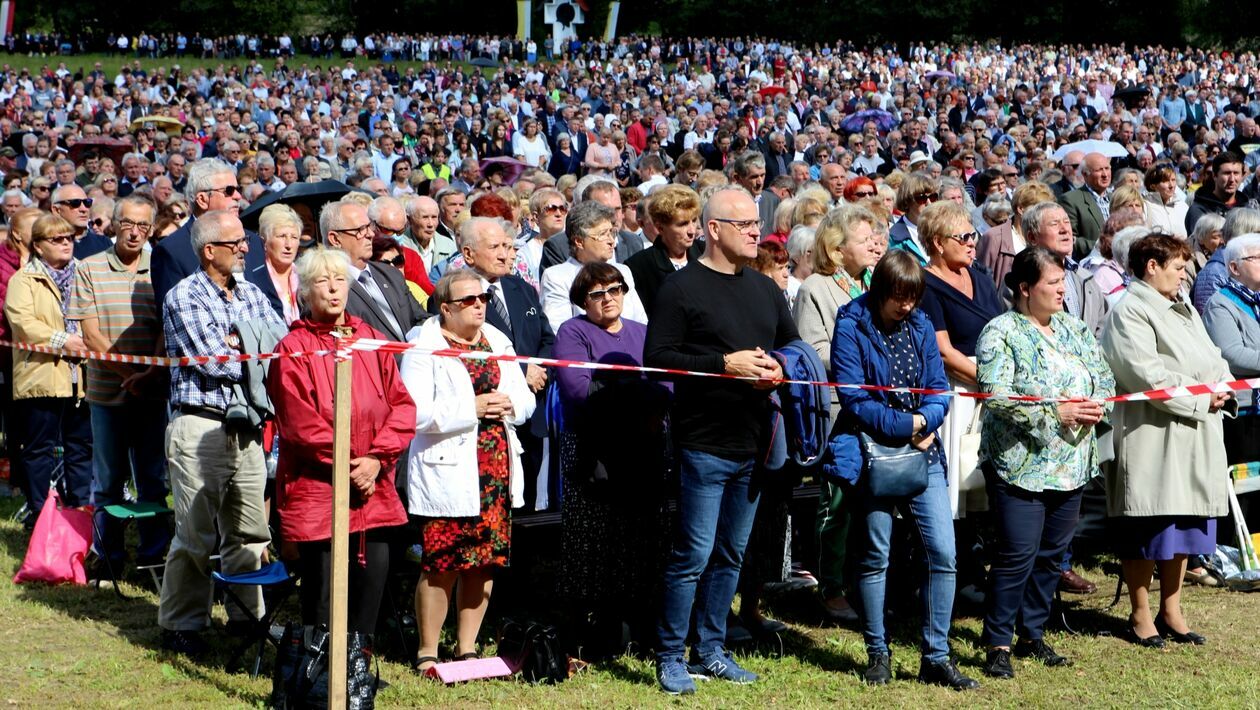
(113, 301)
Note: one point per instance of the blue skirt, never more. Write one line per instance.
(1162, 538)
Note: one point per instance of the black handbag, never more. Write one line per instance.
(300, 678)
(534, 650)
(893, 471)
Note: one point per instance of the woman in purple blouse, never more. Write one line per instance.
(612, 467)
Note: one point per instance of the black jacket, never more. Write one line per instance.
(652, 266)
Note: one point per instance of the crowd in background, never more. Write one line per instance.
(916, 219)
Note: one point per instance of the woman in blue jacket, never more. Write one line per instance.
(882, 338)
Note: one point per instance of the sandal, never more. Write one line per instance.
(1202, 576)
(415, 665)
(470, 656)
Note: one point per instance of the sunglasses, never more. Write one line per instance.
(399, 261)
(76, 203)
(966, 238)
(864, 194)
(609, 292)
(560, 209)
(59, 240)
(229, 191)
(467, 301)
(925, 197)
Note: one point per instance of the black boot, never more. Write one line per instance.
(361, 682)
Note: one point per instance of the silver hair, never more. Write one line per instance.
(1242, 245)
(470, 231)
(800, 240)
(1208, 223)
(319, 262)
(61, 190)
(583, 217)
(996, 209)
(1030, 223)
(15, 193)
(264, 159)
(201, 176)
(206, 229)
(746, 161)
(379, 206)
(1122, 241)
(327, 214)
(1243, 220)
(134, 199)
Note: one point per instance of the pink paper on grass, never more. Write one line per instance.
(473, 669)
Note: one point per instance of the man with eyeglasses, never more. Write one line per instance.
(211, 186)
(389, 219)
(592, 236)
(378, 292)
(714, 315)
(1071, 168)
(73, 205)
(113, 302)
(217, 471)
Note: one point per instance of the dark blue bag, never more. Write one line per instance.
(806, 409)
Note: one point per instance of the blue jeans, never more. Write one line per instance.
(58, 432)
(930, 514)
(716, 507)
(127, 441)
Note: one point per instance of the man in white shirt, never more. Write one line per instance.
(592, 237)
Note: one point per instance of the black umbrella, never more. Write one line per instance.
(1132, 96)
(313, 195)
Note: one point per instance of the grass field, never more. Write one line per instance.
(82, 647)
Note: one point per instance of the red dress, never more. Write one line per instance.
(452, 544)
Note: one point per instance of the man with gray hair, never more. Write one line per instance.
(748, 170)
(265, 165)
(466, 178)
(12, 201)
(378, 292)
(72, 204)
(433, 248)
(134, 166)
(1047, 224)
(591, 236)
(217, 471)
(211, 186)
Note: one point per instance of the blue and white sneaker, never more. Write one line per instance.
(719, 664)
(674, 678)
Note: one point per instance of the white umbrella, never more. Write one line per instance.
(1107, 148)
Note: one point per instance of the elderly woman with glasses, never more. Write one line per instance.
(464, 466)
(301, 389)
(613, 513)
(49, 388)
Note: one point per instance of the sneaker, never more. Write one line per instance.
(1041, 651)
(719, 664)
(997, 664)
(878, 669)
(188, 643)
(945, 673)
(674, 678)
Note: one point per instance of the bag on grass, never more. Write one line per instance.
(300, 678)
(534, 650)
(58, 544)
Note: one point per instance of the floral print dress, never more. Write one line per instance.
(452, 544)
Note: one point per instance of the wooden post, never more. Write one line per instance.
(340, 569)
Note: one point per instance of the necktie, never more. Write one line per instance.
(499, 306)
(378, 297)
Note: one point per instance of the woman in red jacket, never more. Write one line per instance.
(384, 419)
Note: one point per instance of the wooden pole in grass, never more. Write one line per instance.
(340, 569)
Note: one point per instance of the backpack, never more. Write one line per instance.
(805, 408)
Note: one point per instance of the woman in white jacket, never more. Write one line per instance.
(465, 460)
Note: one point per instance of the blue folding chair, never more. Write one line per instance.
(277, 579)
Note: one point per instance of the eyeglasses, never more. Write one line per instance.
(76, 202)
(864, 194)
(1251, 258)
(233, 244)
(924, 198)
(386, 231)
(742, 225)
(359, 232)
(467, 301)
(40, 187)
(228, 191)
(109, 180)
(399, 261)
(560, 209)
(965, 238)
(59, 240)
(178, 214)
(609, 292)
(127, 225)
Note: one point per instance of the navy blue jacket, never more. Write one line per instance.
(91, 244)
(173, 260)
(858, 356)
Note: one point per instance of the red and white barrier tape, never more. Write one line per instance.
(396, 348)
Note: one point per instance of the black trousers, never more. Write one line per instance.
(368, 575)
(1034, 530)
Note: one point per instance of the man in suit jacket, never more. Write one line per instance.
(1085, 207)
(211, 186)
(749, 171)
(515, 310)
(378, 292)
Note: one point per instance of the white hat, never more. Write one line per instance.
(917, 157)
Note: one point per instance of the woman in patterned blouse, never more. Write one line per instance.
(1040, 454)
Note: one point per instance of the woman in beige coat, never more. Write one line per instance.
(845, 250)
(1170, 477)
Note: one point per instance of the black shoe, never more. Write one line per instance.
(188, 643)
(997, 664)
(1155, 641)
(240, 628)
(1165, 630)
(945, 673)
(1041, 651)
(878, 669)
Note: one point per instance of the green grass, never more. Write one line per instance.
(80, 647)
(112, 64)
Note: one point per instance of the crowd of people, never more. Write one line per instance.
(917, 219)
